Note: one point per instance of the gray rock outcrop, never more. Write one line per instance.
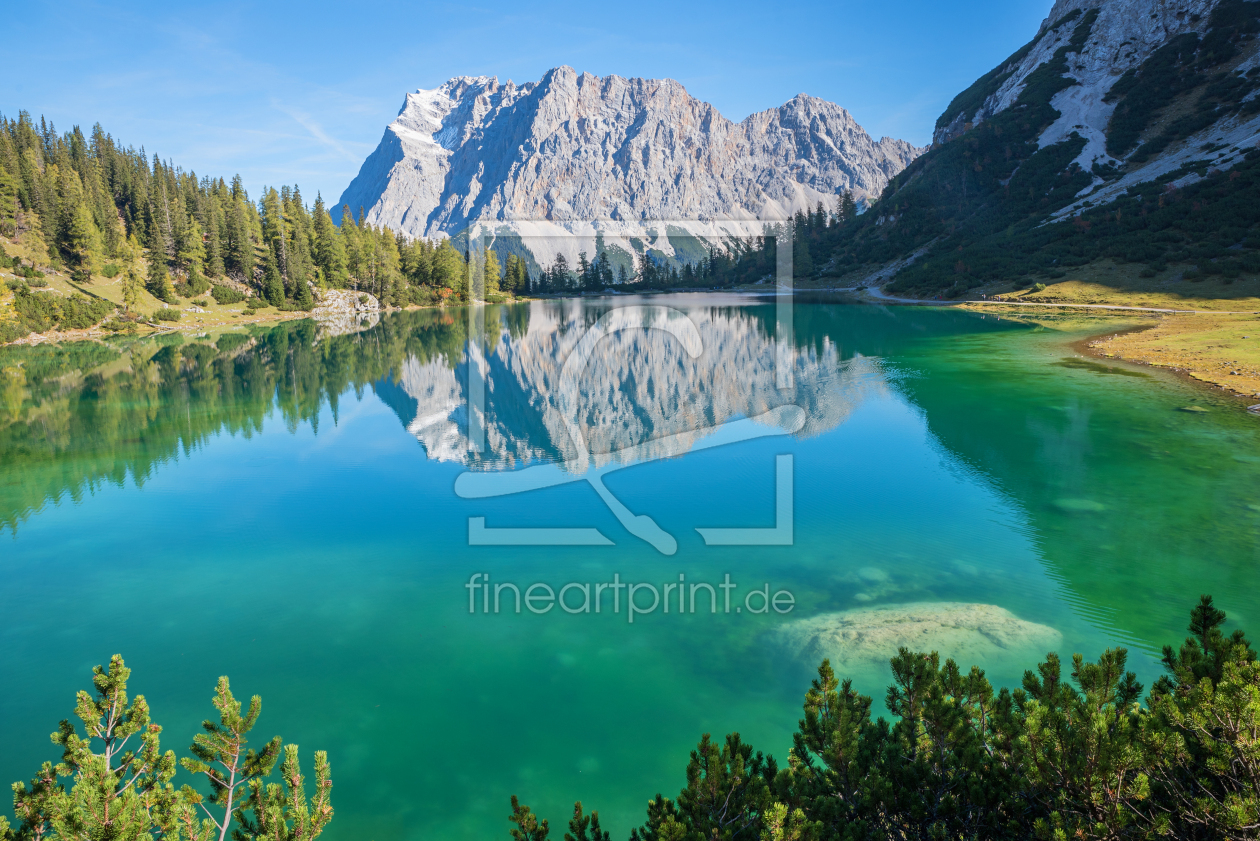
(972, 634)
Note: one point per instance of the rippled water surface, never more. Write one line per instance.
(280, 506)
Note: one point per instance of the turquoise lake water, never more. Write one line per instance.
(279, 506)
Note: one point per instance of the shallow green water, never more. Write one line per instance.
(281, 508)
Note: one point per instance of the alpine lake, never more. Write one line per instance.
(306, 510)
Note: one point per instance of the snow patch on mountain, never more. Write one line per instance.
(579, 152)
(1124, 34)
(1237, 136)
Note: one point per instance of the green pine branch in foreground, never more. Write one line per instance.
(119, 781)
(1075, 756)
(1061, 757)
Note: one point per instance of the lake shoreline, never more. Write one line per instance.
(1170, 345)
(1151, 344)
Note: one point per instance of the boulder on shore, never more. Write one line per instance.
(972, 634)
(342, 311)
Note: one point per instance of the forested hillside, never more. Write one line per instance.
(95, 209)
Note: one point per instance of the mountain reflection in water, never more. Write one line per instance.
(639, 385)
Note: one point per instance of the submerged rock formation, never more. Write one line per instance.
(972, 634)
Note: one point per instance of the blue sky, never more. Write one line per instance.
(299, 93)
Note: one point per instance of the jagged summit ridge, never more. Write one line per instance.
(576, 147)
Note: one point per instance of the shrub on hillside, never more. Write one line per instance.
(40, 311)
(11, 332)
(422, 296)
(167, 314)
(78, 312)
(226, 294)
(36, 310)
(111, 270)
(194, 285)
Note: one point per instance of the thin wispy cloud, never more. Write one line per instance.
(317, 132)
(285, 91)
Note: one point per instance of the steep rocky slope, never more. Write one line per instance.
(553, 156)
(1122, 84)
(1124, 130)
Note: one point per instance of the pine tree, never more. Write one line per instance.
(131, 290)
(350, 237)
(190, 251)
(848, 207)
(448, 267)
(120, 782)
(492, 273)
(274, 235)
(158, 282)
(283, 815)
(560, 273)
(647, 269)
(802, 260)
(585, 827)
(329, 252)
(164, 228)
(80, 241)
(528, 827)
(240, 258)
(605, 270)
(220, 754)
(302, 298)
(508, 284)
(214, 242)
(8, 196)
(387, 273)
(522, 274)
(113, 790)
(273, 284)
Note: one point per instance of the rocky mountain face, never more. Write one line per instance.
(1125, 131)
(1126, 72)
(573, 149)
(1123, 35)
